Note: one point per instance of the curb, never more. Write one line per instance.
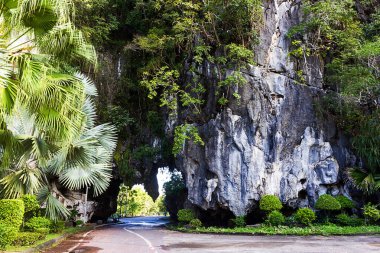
(51, 242)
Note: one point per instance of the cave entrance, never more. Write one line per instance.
(136, 201)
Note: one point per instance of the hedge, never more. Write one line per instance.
(7, 235)
(12, 212)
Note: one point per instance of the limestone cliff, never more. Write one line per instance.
(272, 141)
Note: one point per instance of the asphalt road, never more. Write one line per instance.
(146, 235)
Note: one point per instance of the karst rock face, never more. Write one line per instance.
(271, 141)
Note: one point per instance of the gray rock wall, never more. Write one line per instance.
(271, 142)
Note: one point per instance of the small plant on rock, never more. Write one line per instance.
(305, 216)
(269, 203)
(275, 218)
(195, 223)
(185, 215)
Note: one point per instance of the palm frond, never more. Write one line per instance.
(54, 208)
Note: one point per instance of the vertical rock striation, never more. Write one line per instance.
(272, 141)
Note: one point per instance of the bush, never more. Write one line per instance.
(30, 203)
(185, 215)
(275, 218)
(57, 226)
(345, 202)
(28, 238)
(239, 221)
(79, 222)
(7, 235)
(12, 212)
(327, 203)
(195, 223)
(371, 213)
(305, 216)
(38, 222)
(290, 221)
(42, 230)
(345, 220)
(269, 203)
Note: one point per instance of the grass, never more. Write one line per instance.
(325, 230)
(71, 230)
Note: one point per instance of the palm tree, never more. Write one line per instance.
(48, 134)
(367, 145)
(82, 159)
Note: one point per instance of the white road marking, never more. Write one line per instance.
(79, 243)
(142, 237)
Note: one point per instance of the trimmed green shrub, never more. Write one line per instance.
(30, 203)
(345, 220)
(185, 215)
(371, 213)
(345, 202)
(327, 203)
(239, 221)
(7, 235)
(195, 223)
(57, 226)
(42, 230)
(269, 203)
(12, 212)
(38, 222)
(275, 218)
(305, 216)
(28, 238)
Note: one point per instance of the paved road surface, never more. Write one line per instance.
(146, 235)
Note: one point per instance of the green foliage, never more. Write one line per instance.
(7, 235)
(183, 133)
(269, 203)
(28, 238)
(371, 213)
(186, 215)
(195, 223)
(175, 193)
(239, 221)
(160, 203)
(327, 203)
(79, 223)
(325, 230)
(135, 201)
(345, 202)
(12, 212)
(275, 218)
(305, 216)
(57, 226)
(345, 220)
(30, 203)
(38, 222)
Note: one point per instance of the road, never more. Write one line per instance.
(147, 235)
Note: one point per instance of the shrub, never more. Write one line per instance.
(275, 218)
(290, 221)
(239, 221)
(28, 238)
(57, 226)
(7, 235)
(327, 203)
(30, 203)
(269, 203)
(38, 222)
(345, 202)
(12, 212)
(345, 220)
(42, 230)
(185, 215)
(305, 216)
(195, 223)
(79, 222)
(371, 213)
